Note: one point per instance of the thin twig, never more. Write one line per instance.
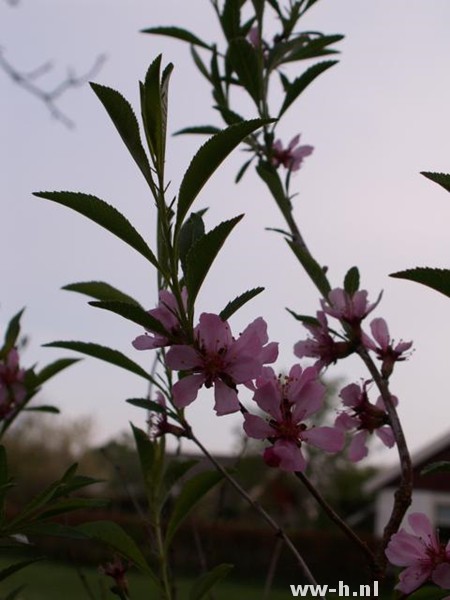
(260, 510)
(335, 517)
(272, 568)
(28, 81)
(402, 497)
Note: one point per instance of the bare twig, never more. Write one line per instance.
(29, 81)
(402, 497)
(259, 509)
(335, 517)
(272, 568)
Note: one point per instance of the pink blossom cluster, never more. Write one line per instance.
(363, 419)
(12, 386)
(423, 555)
(350, 310)
(289, 401)
(360, 417)
(214, 359)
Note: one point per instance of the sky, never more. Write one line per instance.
(376, 120)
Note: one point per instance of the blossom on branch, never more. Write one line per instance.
(421, 552)
(321, 345)
(364, 417)
(12, 386)
(219, 360)
(291, 157)
(288, 401)
(167, 314)
(350, 308)
(385, 351)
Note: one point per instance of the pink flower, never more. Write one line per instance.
(167, 314)
(254, 37)
(289, 401)
(158, 423)
(217, 359)
(386, 351)
(292, 157)
(349, 308)
(421, 553)
(321, 346)
(364, 417)
(12, 386)
(117, 570)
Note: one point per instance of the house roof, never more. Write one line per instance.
(418, 459)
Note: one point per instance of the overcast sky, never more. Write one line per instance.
(376, 120)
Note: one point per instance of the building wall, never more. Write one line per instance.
(436, 505)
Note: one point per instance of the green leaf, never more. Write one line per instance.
(133, 313)
(441, 466)
(243, 170)
(230, 19)
(43, 408)
(201, 587)
(298, 50)
(175, 471)
(259, 5)
(53, 529)
(180, 34)
(312, 267)
(229, 116)
(296, 87)
(208, 159)
(192, 492)
(68, 505)
(149, 405)
(8, 571)
(125, 121)
(307, 320)
(442, 179)
(153, 112)
(201, 129)
(191, 231)
(114, 357)
(436, 279)
(12, 333)
(105, 215)
(239, 301)
(244, 60)
(114, 536)
(202, 255)
(200, 64)
(351, 281)
(54, 368)
(100, 291)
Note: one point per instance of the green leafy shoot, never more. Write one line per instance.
(54, 368)
(442, 466)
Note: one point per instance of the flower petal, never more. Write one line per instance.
(185, 390)
(358, 449)
(329, 439)
(285, 455)
(226, 398)
(257, 428)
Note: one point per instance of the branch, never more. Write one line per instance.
(259, 509)
(30, 82)
(402, 498)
